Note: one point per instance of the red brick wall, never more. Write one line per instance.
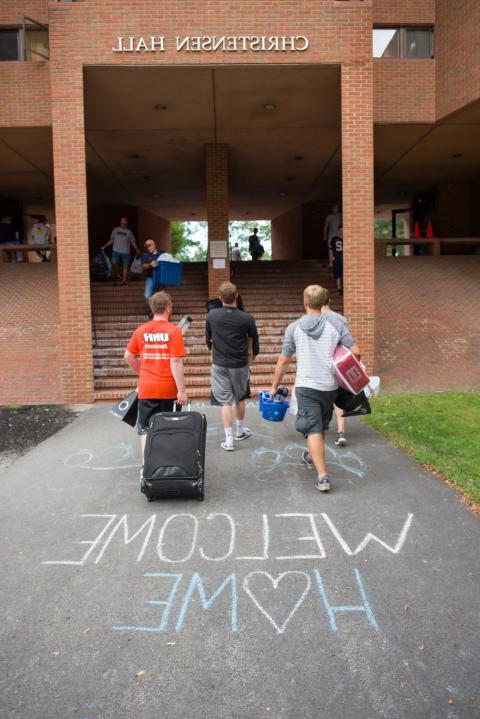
(457, 52)
(430, 345)
(406, 12)
(358, 193)
(403, 90)
(26, 89)
(72, 229)
(30, 368)
(154, 227)
(287, 235)
(338, 31)
(216, 181)
(12, 11)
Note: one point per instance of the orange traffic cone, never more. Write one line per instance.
(416, 232)
(430, 234)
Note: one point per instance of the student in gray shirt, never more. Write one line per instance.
(314, 338)
(121, 239)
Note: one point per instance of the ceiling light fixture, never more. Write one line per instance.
(289, 179)
(269, 106)
(458, 154)
(299, 157)
(134, 157)
(160, 108)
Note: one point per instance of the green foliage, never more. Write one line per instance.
(440, 430)
(185, 247)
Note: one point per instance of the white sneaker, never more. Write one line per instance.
(227, 447)
(245, 435)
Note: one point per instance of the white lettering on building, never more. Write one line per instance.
(213, 43)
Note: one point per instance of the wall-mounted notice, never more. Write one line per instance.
(218, 248)
(218, 264)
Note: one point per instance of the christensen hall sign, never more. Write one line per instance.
(213, 43)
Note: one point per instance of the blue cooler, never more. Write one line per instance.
(273, 410)
(168, 273)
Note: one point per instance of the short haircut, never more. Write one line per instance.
(159, 302)
(227, 292)
(316, 297)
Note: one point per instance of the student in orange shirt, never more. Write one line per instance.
(156, 353)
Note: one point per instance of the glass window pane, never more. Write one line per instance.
(8, 45)
(418, 43)
(37, 41)
(386, 42)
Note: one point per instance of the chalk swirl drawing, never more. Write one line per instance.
(270, 463)
(117, 456)
(275, 582)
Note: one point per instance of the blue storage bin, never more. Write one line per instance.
(274, 411)
(261, 399)
(168, 273)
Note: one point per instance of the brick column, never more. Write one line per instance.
(216, 178)
(72, 232)
(358, 201)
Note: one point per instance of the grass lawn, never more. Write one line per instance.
(442, 432)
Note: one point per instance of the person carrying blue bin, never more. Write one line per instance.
(314, 339)
(150, 261)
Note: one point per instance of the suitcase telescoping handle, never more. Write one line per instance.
(179, 408)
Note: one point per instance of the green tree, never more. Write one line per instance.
(185, 247)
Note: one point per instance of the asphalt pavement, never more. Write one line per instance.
(269, 599)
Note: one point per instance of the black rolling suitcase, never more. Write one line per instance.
(174, 461)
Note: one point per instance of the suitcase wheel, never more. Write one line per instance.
(149, 499)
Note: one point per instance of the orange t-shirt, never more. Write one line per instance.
(157, 342)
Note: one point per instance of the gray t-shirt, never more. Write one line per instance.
(122, 239)
(333, 223)
(314, 339)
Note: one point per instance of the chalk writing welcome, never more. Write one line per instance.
(219, 539)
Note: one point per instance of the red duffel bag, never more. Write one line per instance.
(350, 373)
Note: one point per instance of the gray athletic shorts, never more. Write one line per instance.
(315, 409)
(229, 386)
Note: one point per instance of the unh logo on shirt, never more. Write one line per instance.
(155, 336)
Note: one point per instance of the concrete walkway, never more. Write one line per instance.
(267, 600)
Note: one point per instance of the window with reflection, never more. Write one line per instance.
(406, 42)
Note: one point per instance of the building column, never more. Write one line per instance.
(216, 177)
(72, 232)
(358, 206)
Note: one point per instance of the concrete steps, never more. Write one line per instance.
(271, 291)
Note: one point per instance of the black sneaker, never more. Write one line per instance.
(307, 459)
(245, 435)
(341, 440)
(323, 483)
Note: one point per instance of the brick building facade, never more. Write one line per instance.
(384, 122)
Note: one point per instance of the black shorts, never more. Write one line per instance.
(149, 407)
(337, 270)
(315, 409)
